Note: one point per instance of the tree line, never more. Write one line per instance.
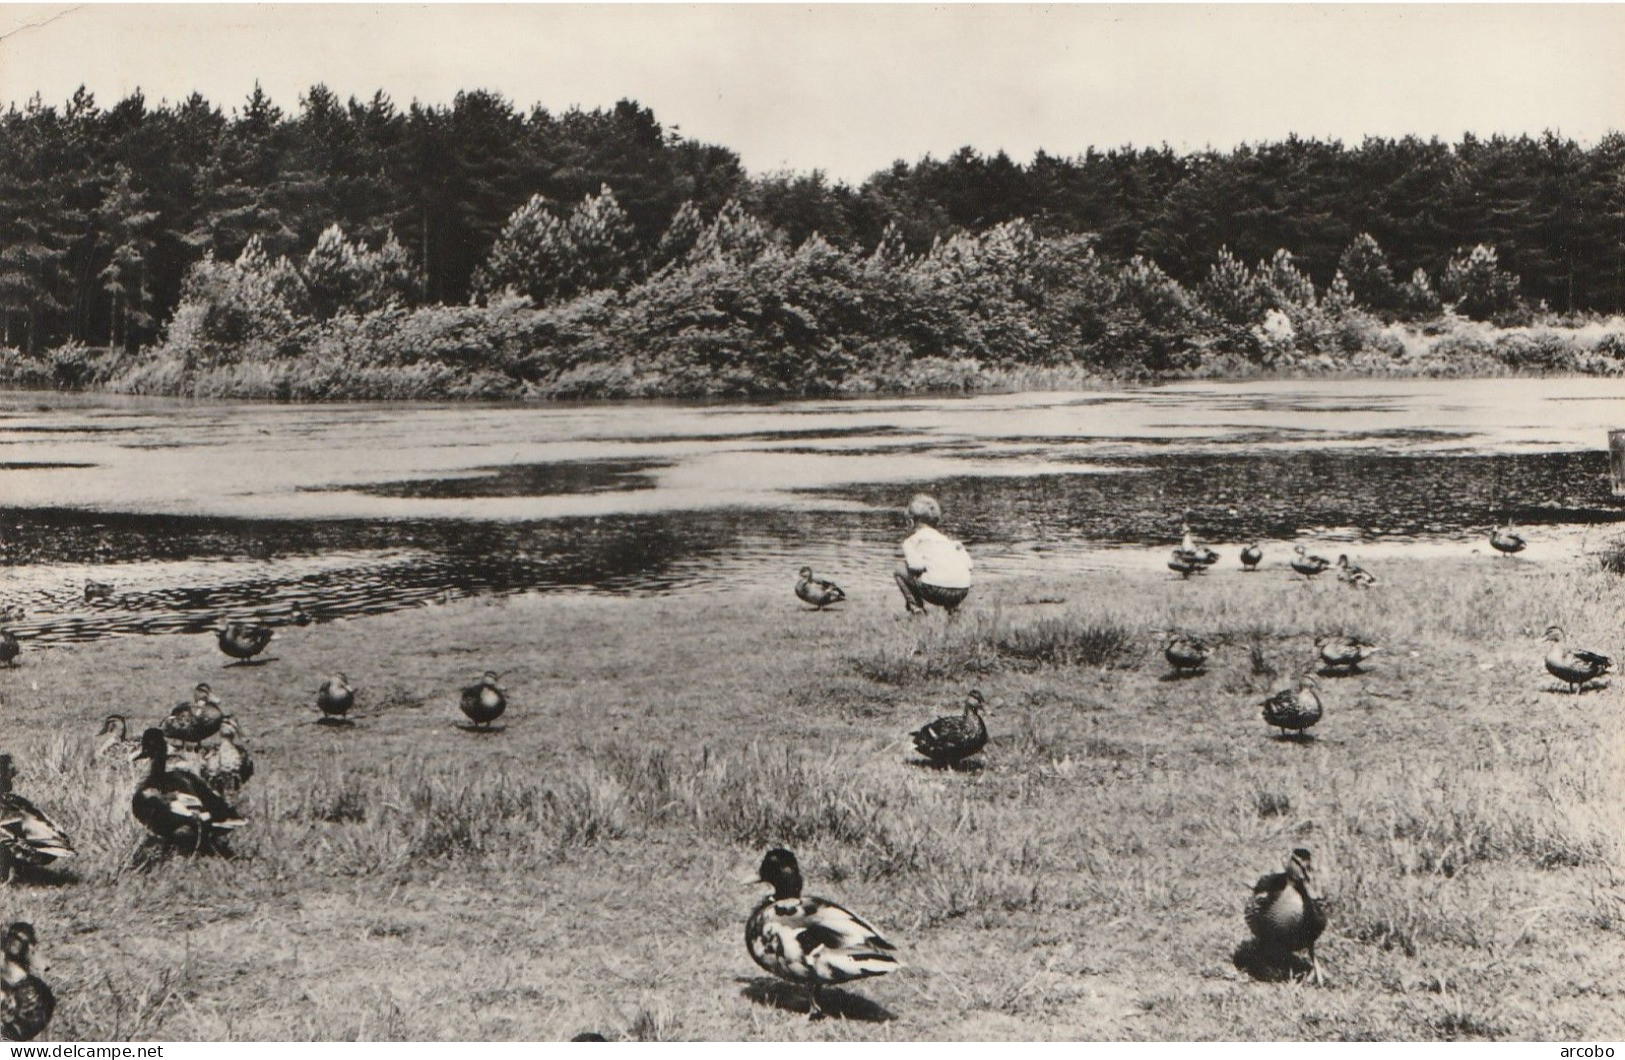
(105, 213)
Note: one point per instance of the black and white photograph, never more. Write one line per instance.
(812, 523)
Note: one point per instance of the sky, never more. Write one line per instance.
(848, 89)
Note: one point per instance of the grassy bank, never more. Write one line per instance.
(405, 879)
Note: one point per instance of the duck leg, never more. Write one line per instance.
(1314, 967)
(813, 1011)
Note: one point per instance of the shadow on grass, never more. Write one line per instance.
(1339, 671)
(1269, 966)
(251, 662)
(330, 722)
(154, 851)
(832, 1001)
(1589, 686)
(41, 876)
(1182, 675)
(480, 730)
(968, 765)
(1293, 737)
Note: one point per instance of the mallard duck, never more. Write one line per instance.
(1251, 557)
(335, 698)
(1284, 914)
(177, 804)
(298, 616)
(10, 648)
(227, 767)
(26, 1003)
(194, 722)
(1354, 574)
(27, 836)
(1296, 709)
(244, 640)
(1344, 653)
(589, 1036)
(956, 737)
(1185, 563)
(1507, 541)
(1185, 653)
(484, 702)
(97, 590)
(1306, 564)
(115, 739)
(811, 941)
(1573, 666)
(818, 592)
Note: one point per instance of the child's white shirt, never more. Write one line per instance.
(943, 561)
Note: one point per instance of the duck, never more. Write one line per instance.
(244, 640)
(1283, 912)
(194, 722)
(1508, 541)
(1185, 564)
(298, 615)
(1344, 653)
(176, 803)
(955, 737)
(335, 698)
(1294, 709)
(26, 1003)
(27, 836)
(115, 739)
(1573, 666)
(97, 590)
(1185, 654)
(1354, 574)
(808, 940)
(817, 591)
(1188, 548)
(227, 767)
(1306, 564)
(484, 702)
(1251, 557)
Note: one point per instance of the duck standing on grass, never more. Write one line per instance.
(1344, 653)
(811, 941)
(1354, 574)
(1507, 541)
(176, 804)
(27, 836)
(192, 723)
(952, 739)
(334, 699)
(1294, 709)
(244, 640)
(1285, 915)
(1185, 654)
(1573, 666)
(26, 1003)
(817, 591)
(1251, 557)
(228, 766)
(1185, 564)
(1306, 564)
(115, 739)
(484, 702)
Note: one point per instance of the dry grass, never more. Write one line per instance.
(404, 879)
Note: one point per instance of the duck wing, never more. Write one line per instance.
(29, 834)
(951, 736)
(1592, 659)
(836, 944)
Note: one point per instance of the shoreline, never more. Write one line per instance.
(659, 745)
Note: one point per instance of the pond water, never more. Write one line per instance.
(197, 510)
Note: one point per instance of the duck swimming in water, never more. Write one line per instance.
(811, 941)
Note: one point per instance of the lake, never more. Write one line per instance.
(196, 510)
